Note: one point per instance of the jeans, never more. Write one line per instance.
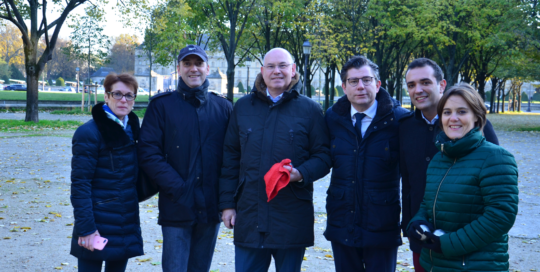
(258, 259)
(189, 249)
(95, 266)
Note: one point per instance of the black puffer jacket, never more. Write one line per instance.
(103, 193)
(363, 198)
(260, 134)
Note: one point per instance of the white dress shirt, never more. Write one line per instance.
(366, 121)
(432, 122)
(276, 99)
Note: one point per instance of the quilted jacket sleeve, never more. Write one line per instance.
(319, 162)
(498, 186)
(85, 149)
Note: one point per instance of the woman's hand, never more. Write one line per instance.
(88, 241)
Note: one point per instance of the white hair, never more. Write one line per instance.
(280, 49)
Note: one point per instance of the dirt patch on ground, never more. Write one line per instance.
(36, 217)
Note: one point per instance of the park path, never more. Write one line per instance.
(36, 216)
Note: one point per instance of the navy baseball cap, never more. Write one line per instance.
(192, 50)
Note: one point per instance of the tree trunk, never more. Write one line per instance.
(326, 88)
(32, 94)
(332, 83)
(481, 86)
(230, 78)
(492, 98)
(518, 99)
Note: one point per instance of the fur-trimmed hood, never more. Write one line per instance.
(112, 133)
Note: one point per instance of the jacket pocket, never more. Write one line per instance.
(383, 213)
(336, 206)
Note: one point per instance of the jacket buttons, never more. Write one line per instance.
(197, 177)
(334, 146)
(391, 119)
(353, 181)
(355, 150)
(386, 149)
(352, 211)
(385, 123)
(375, 127)
(430, 128)
(177, 146)
(428, 158)
(346, 240)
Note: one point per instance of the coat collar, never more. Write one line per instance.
(259, 89)
(460, 147)
(113, 134)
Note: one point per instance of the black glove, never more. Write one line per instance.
(415, 231)
(434, 242)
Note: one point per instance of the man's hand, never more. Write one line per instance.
(88, 241)
(229, 218)
(295, 174)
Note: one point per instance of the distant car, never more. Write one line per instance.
(488, 106)
(16, 87)
(142, 91)
(68, 89)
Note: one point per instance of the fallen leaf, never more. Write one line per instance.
(328, 256)
(144, 260)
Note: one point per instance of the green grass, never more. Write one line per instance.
(515, 121)
(76, 111)
(43, 125)
(46, 96)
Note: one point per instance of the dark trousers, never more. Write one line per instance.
(189, 249)
(359, 259)
(95, 266)
(258, 259)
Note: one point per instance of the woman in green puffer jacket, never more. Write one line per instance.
(471, 197)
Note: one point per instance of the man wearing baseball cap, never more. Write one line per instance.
(181, 149)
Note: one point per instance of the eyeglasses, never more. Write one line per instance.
(281, 67)
(118, 96)
(365, 80)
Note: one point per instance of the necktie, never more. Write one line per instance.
(358, 124)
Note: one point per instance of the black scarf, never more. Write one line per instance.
(195, 96)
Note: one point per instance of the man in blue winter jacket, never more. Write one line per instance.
(181, 149)
(363, 198)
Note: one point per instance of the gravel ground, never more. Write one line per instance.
(36, 216)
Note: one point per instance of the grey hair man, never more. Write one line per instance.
(270, 125)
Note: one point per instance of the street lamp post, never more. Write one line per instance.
(307, 52)
(248, 64)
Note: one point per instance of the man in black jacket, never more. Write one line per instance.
(271, 124)
(181, 149)
(417, 132)
(363, 197)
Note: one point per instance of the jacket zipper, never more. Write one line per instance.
(166, 158)
(435, 202)
(112, 163)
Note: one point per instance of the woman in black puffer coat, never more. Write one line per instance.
(103, 178)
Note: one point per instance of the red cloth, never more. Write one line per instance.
(277, 178)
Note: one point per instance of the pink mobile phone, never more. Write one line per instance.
(100, 242)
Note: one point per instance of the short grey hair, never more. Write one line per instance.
(280, 49)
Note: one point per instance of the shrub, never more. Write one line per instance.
(60, 82)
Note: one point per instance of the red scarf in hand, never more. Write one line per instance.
(277, 178)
